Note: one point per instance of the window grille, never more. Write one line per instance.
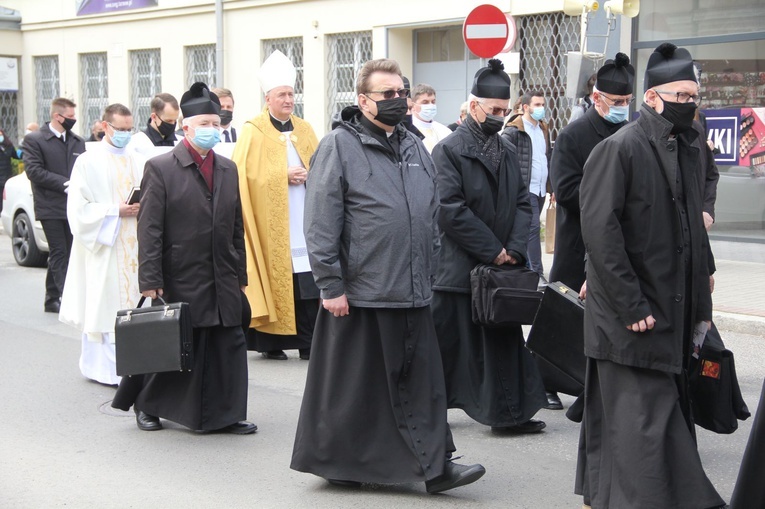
(293, 48)
(200, 65)
(46, 85)
(543, 41)
(145, 83)
(347, 53)
(9, 115)
(94, 89)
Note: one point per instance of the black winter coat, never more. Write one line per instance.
(636, 248)
(479, 214)
(572, 148)
(48, 163)
(7, 152)
(191, 240)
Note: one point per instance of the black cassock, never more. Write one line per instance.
(750, 489)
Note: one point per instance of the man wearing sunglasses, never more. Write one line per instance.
(374, 407)
(647, 290)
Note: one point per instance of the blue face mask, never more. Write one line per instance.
(2, 138)
(121, 138)
(206, 137)
(538, 113)
(617, 114)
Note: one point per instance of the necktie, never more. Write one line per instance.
(225, 135)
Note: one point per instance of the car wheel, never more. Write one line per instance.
(23, 242)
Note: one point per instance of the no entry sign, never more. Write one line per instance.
(487, 30)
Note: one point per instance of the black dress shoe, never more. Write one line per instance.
(275, 355)
(305, 353)
(530, 426)
(240, 428)
(53, 307)
(553, 401)
(147, 422)
(454, 476)
(344, 484)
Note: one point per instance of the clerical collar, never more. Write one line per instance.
(374, 129)
(282, 126)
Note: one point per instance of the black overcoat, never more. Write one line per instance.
(632, 226)
(191, 240)
(572, 148)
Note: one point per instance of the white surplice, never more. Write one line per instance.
(102, 277)
(296, 196)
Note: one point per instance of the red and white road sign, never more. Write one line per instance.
(487, 31)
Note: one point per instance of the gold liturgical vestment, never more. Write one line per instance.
(261, 156)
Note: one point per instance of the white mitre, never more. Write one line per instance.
(277, 71)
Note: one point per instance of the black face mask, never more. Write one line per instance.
(100, 136)
(166, 128)
(680, 114)
(68, 123)
(492, 125)
(391, 112)
(226, 116)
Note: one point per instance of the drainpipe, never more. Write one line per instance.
(219, 43)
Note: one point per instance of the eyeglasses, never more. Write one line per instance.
(681, 97)
(390, 94)
(125, 130)
(618, 102)
(497, 112)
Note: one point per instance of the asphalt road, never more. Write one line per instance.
(61, 445)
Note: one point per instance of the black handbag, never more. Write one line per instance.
(716, 399)
(504, 295)
(154, 339)
(557, 340)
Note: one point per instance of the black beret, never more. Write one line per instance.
(492, 82)
(198, 100)
(617, 76)
(667, 64)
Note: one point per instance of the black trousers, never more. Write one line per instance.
(60, 243)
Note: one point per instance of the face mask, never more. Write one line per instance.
(391, 112)
(680, 114)
(226, 116)
(538, 113)
(166, 128)
(2, 138)
(492, 125)
(206, 137)
(428, 112)
(100, 136)
(617, 114)
(67, 123)
(120, 138)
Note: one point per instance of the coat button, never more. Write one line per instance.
(671, 148)
(679, 249)
(678, 297)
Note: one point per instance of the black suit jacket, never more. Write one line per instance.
(191, 240)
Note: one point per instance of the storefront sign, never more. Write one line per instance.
(739, 135)
(722, 130)
(101, 6)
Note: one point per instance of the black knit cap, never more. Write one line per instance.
(198, 100)
(492, 82)
(667, 64)
(617, 76)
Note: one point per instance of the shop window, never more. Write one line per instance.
(94, 89)
(145, 83)
(46, 85)
(347, 53)
(441, 45)
(293, 48)
(661, 20)
(200, 65)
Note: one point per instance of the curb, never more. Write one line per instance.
(744, 324)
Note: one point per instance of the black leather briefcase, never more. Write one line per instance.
(557, 340)
(154, 339)
(504, 295)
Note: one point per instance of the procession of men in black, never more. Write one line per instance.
(385, 366)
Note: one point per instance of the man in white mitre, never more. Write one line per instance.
(103, 267)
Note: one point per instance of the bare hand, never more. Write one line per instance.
(337, 306)
(129, 210)
(711, 145)
(583, 291)
(552, 198)
(511, 261)
(711, 284)
(643, 325)
(501, 257)
(296, 175)
(152, 294)
(708, 221)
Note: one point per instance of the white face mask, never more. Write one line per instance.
(428, 112)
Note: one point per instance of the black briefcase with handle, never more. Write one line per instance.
(154, 339)
(503, 295)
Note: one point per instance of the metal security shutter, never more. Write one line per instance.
(145, 83)
(94, 89)
(46, 85)
(543, 41)
(200, 65)
(293, 48)
(9, 115)
(347, 53)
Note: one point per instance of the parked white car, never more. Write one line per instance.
(30, 247)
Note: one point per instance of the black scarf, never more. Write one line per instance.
(491, 146)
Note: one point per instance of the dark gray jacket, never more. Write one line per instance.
(370, 220)
(516, 134)
(48, 163)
